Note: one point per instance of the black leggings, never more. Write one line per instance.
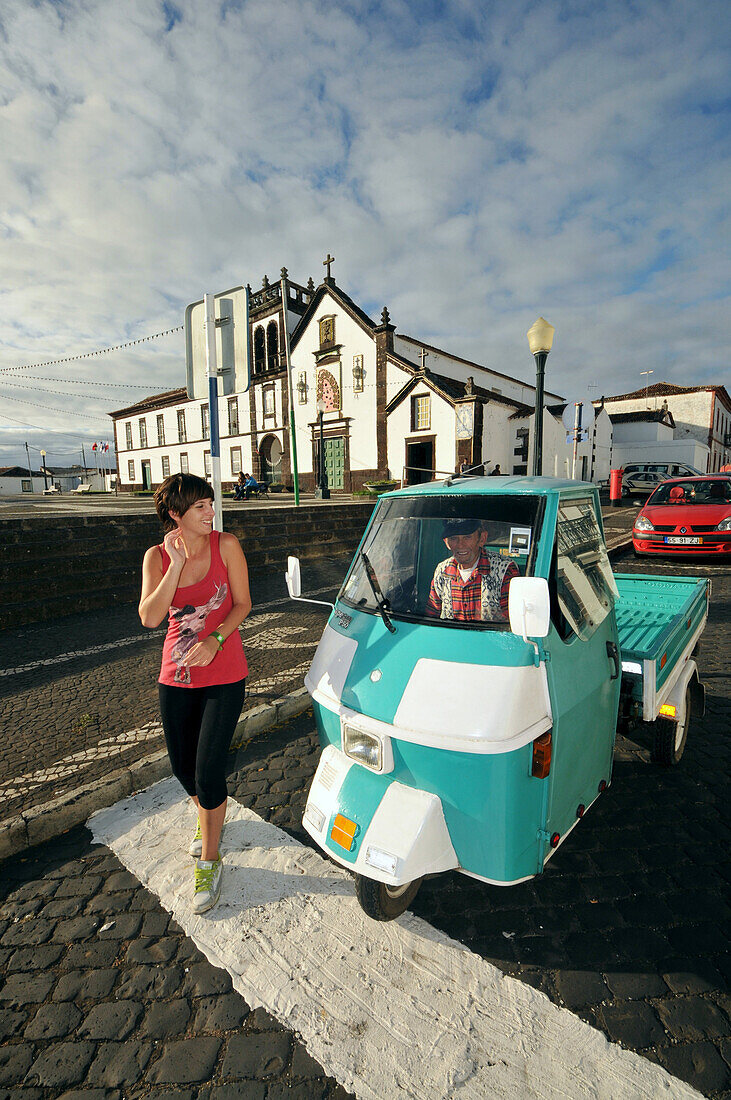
(199, 724)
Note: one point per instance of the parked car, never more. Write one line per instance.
(641, 484)
(667, 469)
(690, 515)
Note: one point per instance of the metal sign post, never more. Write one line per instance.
(210, 329)
(291, 394)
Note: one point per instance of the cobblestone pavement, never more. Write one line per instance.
(78, 697)
(101, 995)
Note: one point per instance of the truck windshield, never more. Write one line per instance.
(446, 560)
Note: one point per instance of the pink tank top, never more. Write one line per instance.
(196, 611)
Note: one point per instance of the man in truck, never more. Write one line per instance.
(472, 584)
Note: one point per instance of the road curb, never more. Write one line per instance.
(44, 822)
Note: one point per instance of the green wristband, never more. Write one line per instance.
(219, 638)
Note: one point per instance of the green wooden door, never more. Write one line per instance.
(335, 463)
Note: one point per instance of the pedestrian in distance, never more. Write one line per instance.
(497, 472)
(239, 486)
(198, 578)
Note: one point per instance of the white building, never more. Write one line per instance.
(168, 433)
(15, 480)
(394, 408)
(701, 417)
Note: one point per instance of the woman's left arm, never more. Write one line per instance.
(238, 579)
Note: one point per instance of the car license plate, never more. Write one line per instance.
(677, 541)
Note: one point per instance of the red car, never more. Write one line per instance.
(686, 515)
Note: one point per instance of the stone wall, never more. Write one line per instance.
(62, 565)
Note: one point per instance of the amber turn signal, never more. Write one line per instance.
(541, 765)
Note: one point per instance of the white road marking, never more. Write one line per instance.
(71, 765)
(387, 1009)
(72, 655)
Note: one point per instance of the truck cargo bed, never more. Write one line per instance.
(659, 620)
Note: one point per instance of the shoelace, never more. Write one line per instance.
(198, 832)
(204, 877)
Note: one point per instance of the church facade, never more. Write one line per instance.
(387, 406)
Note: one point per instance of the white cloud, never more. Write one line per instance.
(470, 165)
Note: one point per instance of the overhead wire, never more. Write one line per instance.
(51, 408)
(83, 382)
(93, 354)
(20, 386)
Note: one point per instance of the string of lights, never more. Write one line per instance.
(21, 386)
(93, 354)
(51, 408)
(82, 382)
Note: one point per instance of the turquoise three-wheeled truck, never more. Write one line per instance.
(472, 734)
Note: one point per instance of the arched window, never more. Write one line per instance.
(259, 350)
(270, 459)
(272, 346)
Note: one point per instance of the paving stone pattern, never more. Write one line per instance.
(629, 927)
(101, 994)
(71, 721)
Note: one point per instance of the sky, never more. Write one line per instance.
(471, 164)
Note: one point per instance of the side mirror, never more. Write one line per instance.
(529, 607)
(292, 577)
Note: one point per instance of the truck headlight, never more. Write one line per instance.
(725, 524)
(642, 523)
(364, 748)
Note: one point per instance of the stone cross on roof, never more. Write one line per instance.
(327, 262)
(422, 355)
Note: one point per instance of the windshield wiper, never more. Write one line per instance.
(382, 604)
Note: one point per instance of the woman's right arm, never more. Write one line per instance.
(158, 588)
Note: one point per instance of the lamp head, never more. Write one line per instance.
(540, 336)
(321, 405)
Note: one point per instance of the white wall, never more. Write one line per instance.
(641, 431)
(686, 450)
(558, 455)
(360, 406)
(195, 445)
(12, 486)
(442, 426)
(498, 432)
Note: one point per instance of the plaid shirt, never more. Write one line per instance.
(452, 598)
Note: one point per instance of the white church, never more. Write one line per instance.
(395, 408)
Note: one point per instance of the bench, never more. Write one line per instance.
(81, 489)
(51, 489)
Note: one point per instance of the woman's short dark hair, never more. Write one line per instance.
(177, 493)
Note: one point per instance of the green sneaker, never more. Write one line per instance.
(196, 844)
(207, 884)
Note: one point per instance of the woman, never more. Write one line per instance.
(199, 579)
(239, 486)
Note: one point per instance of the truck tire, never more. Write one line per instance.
(382, 902)
(669, 737)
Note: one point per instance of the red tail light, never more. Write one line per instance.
(541, 764)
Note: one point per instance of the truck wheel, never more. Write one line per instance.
(669, 737)
(382, 902)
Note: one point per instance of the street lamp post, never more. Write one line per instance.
(540, 341)
(43, 464)
(322, 492)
